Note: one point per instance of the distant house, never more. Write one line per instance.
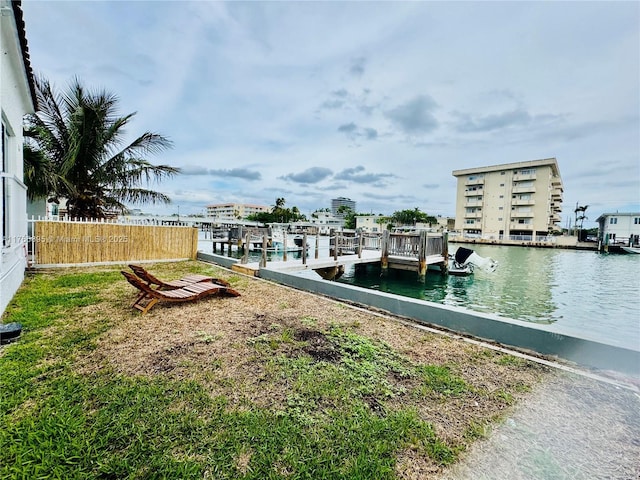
(619, 228)
(17, 98)
(372, 223)
(325, 222)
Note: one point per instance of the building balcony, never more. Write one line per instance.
(521, 178)
(475, 181)
(520, 226)
(473, 203)
(521, 201)
(473, 193)
(522, 214)
(476, 215)
(523, 189)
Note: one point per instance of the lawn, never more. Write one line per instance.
(276, 383)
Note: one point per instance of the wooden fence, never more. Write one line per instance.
(75, 243)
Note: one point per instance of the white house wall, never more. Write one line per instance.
(15, 102)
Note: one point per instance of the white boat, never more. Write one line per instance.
(465, 260)
(294, 242)
(631, 249)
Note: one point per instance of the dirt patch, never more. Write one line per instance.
(317, 345)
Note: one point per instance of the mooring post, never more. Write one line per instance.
(245, 257)
(284, 246)
(445, 253)
(240, 237)
(384, 255)
(304, 248)
(317, 243)
(263, 258)
(422, 256)
(360, 242)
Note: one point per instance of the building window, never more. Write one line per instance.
(502, 184)
(503, 173)
(613, 221)
(636, 221)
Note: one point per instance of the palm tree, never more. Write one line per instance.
(74, 149)
(582, 218)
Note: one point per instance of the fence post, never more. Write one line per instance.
(317, 243)
(194, 240)
(360, 241)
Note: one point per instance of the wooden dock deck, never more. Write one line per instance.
(399, 252)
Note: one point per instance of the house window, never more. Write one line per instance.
(636, 221)
(613, 221)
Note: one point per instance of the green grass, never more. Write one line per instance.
(344, 417)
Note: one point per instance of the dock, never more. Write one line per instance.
(398, 251)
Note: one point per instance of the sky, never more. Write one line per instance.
(374, 101)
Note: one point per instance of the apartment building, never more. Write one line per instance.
(513, 201)
(232, 212)
(336, 203)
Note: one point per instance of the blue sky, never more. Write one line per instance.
(375, 101)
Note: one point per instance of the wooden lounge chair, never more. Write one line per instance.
(152, 280)
(148, 296)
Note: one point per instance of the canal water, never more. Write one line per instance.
(583, 293)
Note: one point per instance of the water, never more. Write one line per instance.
(592, 295)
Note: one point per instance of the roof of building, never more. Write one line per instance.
(551, 162)
(26, 61)
(618, 214)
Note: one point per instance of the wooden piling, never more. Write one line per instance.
(422, 257)
(384, 257)
(304, 248)
(263, 258)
